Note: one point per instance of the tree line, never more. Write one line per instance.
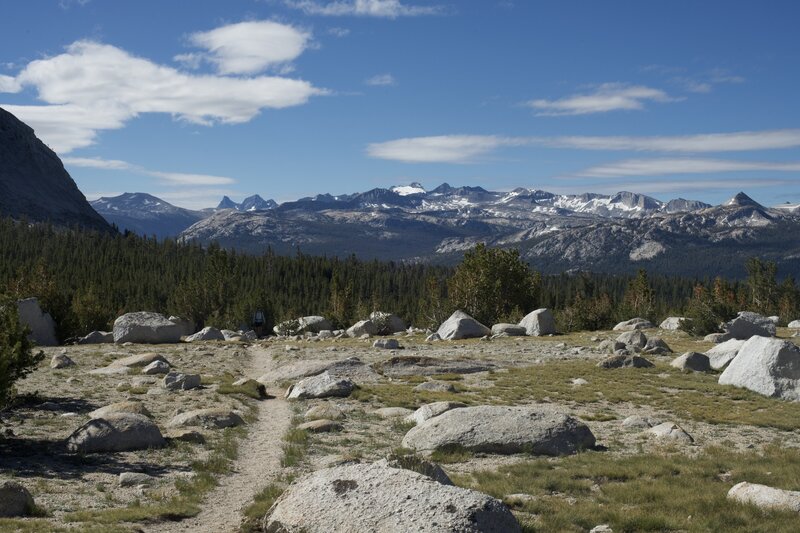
(86, 279)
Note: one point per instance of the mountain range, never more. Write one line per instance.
(555, 233)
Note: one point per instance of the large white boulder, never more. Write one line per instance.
(767, 366)
(723, 353)
(314, 324)
(765, 497)
(215, 418)
(538, 323)
(42, 326)
(461, 326)
(363, 327)
(671, 323)
(501, 429)
(321, 386)
(634, 323)
(378, 497)
(794, 324)
(749, 324)
(116, 432)
(387, 323)
(146, 328)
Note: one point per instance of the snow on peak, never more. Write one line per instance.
(406, 190)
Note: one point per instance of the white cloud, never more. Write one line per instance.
(709, 142)
(89, 162)
(170, 178)
(606, 97)
(365, 8)
(249, 47)
(672, 186)
(665, 167)
(441, 149)
(94, 86)
(179, 178)
(338, 32)
(381, 80)
(9, 84)
(465, 148)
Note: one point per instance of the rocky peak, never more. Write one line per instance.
(34, 183)
(742, 200)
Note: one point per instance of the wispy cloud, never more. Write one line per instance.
(381, 80)
(441, 149)
(709, 142)
(363, 8)
(338, 32)
(94, 87)
(605, 98)
(671, 186)
(466, 148)
(9, 84)
(248, 47)
(666, 167)
(168, 178)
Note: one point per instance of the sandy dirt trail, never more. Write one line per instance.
(258, 463)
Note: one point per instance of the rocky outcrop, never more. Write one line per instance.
(314, 324)
(42, 326)
(538, 323)
(398, 367)
(386, 344)
(146, 328)
(177, 381)
(749, 324)
(116, 432)
(767, 366)
(377, 497)
(500, 429)
(34, 183)
(461, 326)
(625, 361)
(670, 431)
(61, 360)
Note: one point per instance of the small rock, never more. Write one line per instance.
(435, 386)
(61, 360)
(325, 410)
(639, 422)
(602, 528)
(215, 418)
(320, 426)
(692, 361)
(206, 334)
(156, 367)
(177, 381)
(670, 431)
(579, 381)
(133, 479)
(433, 337)
(386, 344)
(717, 338)
(625, 361)
(185, 435)
(129, 406)
(634, 324)
(321, 386)
(15, 500)
(392, 412)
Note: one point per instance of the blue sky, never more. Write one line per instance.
(191, 100)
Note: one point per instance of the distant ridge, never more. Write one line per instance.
(251, 203)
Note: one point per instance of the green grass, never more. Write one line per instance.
(190, 493)
(403, 395)
(453, 453)
(646, 492)
(694, 396)
(261, 504)
(296, 442)
(249, 389)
